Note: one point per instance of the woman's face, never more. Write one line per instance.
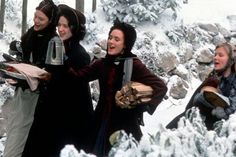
(41, 21)
(221, 58)
(115, 43)
(63, 28)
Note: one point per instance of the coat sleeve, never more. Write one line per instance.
(232, 98)
(143, 75)
(210, 81)
(26, 44)
(88, 73)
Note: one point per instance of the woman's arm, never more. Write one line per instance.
(89, 72)
(232, 99)
(143, 75)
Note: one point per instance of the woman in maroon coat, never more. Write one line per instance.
(109, 72)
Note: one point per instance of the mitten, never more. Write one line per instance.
(219, 112)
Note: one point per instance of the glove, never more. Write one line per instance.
(15, 48)
(219, 112)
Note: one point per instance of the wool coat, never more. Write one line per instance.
(34, 45)
(108, 116)
(64, 111)
(211, 80)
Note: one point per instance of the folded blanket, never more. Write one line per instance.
(30, 72)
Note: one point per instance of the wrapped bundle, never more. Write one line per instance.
(133, 93)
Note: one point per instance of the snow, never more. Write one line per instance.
(166, 111)
(208, 11)
(205, 11)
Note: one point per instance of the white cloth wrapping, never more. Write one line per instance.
(30, 72)
(18, 113)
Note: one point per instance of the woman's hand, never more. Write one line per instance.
(45, 77)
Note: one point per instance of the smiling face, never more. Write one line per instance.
(115, 43)
(41, 21)
(221, 59)
(63, 28)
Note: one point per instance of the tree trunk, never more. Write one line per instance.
(94, 5)
(2, 13)
(79, 5)
(24, 17)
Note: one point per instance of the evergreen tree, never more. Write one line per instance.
(136, 11)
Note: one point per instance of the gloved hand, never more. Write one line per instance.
(219, 112)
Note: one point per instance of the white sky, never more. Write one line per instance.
(209, 11)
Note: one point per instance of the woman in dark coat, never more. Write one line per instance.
(34, 45)
(65, 110)
(109, 71)
(35, 41)
(212, 81)
(222, 80)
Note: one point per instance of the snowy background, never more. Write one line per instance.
(190, 139)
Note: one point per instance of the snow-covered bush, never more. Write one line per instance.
(191, 138)
(6, 91)
(71, 151)
(136, 11)
(188, 34)
(12, 9)
(91, 29)
(146, 50)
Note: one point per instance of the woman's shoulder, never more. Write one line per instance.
(137, 62)
(234, 79)
(136, 59)
(31, 29)
(28, 33)
(81, 48)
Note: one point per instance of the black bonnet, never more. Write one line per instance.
(49, 9)
(76, 20)
(129, 34)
